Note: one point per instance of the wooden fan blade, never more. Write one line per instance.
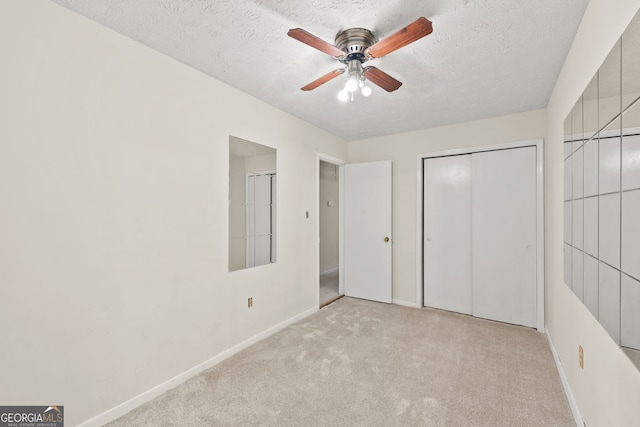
(382, 79)
(412, 32)
(315, 42)
(322, 80)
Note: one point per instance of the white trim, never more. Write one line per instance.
(341, 199)
(481, 148)
(406, 303)
(131, 404)
(331, 159)
(540, 236)
(538, 143)
(419, 223)
(565, 383)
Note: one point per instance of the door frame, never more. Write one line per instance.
(538, 143)
(338, 162)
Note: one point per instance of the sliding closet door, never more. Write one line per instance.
(480, 235)
(260, 219)
(504, 235)
(447, 233)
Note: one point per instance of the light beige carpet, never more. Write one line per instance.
(360, 363)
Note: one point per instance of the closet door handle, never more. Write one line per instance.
(386, 239)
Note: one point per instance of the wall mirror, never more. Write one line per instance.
(602, 194)
(252, 204)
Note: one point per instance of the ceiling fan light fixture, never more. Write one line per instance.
(352, 84)
(366, 91)
(355, 74)
(343, 95)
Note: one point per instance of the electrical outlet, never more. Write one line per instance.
(581, 356)
(250, 302)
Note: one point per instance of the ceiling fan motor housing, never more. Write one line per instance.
(354, 41)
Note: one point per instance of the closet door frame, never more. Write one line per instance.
(538, 143)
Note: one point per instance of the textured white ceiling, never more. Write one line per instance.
(484, 58)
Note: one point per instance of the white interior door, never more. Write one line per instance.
(367, 230)
(447, 233)
(504, 235)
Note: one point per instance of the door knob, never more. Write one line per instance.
(386, 239)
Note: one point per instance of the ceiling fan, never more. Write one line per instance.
(355, 46)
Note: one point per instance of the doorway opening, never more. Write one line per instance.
(329, 232)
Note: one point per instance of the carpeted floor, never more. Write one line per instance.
(360, 363)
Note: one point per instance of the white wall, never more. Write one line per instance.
(329, 244)
(114, 212)
(403, 150)
(607, 390)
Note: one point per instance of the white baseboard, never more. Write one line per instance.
(405, 303)
(565, 384)
(131, 404)
(329, 272)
